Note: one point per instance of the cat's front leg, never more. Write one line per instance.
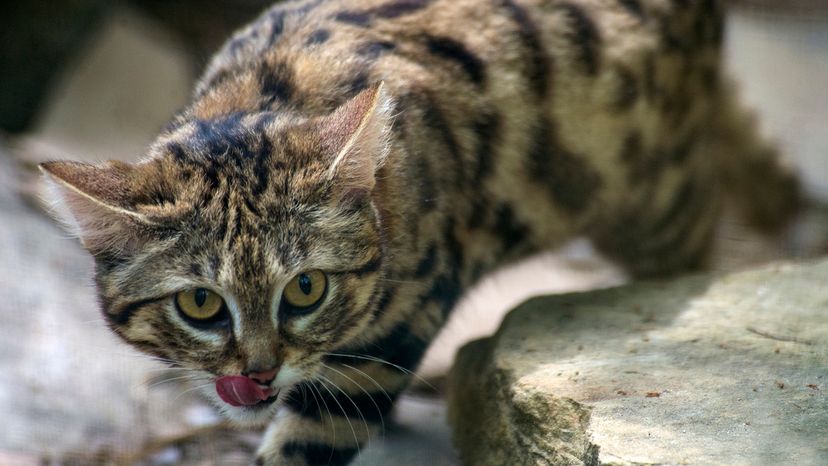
(297, 440)
(328, 421)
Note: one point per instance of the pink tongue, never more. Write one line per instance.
(238, 390)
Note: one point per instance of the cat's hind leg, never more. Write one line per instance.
(657, 239)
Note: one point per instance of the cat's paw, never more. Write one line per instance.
(305, 454)
(279, 461)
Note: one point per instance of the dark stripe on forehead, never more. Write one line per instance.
(262, 170)
(235, 226)
(251, 207)
(450, 49)
(539, 61)
(221, 231)
(584, 37)
(219, 140)
(318, 454)
(212, 177)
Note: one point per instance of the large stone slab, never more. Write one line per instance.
(704, 370)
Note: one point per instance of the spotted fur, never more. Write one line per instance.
(406, 147)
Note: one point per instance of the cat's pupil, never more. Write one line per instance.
(305, 284)
(200, 297)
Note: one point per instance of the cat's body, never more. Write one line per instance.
(502, 128)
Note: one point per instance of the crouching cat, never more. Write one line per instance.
(300, 231)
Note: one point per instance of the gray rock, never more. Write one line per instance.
(704, 370)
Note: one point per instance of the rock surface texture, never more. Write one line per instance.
(704, 370)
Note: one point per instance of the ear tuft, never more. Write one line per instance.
(358, 135)
(93, 202)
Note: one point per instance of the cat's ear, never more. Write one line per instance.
(94, 202)
(357, 136)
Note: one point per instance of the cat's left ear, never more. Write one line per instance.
(357, 136)
(96, 203)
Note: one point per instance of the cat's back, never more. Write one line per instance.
(309, 53)
(549, 116)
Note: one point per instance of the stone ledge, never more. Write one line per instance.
(704, 370)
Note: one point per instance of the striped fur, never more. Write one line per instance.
(501, 128)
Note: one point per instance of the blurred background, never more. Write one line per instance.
(94, 80)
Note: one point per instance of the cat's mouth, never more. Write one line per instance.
(241, 391)
(266, 402)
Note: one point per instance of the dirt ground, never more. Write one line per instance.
(71, 394)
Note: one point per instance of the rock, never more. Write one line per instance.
(703, 370)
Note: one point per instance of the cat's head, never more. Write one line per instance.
(246, 245)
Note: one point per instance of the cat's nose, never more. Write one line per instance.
(264, 377)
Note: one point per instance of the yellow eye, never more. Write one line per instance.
(199, 303)
(305, 290)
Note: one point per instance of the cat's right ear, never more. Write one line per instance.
(357, 139)
(93, 201)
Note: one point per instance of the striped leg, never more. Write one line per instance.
(327, 421)
(654, 241)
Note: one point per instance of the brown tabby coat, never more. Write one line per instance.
(405, 148)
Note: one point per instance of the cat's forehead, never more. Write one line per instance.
(238, 135)
(256, 155)
(248, 187)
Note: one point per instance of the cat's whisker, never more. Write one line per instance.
(321, 380)
(189, 377)
(359, 412)
(197, 387)
(311, 387)
(313, 391)
(382, 361)
(379, 411)
(409, 282)
(156, 370)
(367, 376)
(94, 321)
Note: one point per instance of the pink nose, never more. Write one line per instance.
(264, 377)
